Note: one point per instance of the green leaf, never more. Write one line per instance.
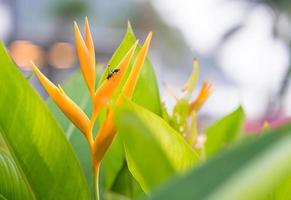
(125, 184)
(38, 146)
(2, 143)
(154, 151)
(249, 170)
(224, 132)
(282, 191)
(115, 196)
(113, 162)
(12, 185)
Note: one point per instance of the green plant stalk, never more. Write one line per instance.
(192, 137)
(96, 183)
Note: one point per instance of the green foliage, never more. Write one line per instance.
(154, 151)
(246, 171)
(11, 182)
(38, 147)
(224, 132)
(125, 184)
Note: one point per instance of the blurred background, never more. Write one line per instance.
(243, 46)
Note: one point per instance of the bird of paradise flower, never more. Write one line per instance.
(100, 97)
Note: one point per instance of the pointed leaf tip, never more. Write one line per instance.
(129, 27)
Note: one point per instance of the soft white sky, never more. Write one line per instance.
(253, 58)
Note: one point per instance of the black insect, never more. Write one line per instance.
(111, 73)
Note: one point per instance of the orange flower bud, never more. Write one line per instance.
(86, 56)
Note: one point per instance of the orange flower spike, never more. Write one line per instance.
(205, 92)
(130, 83)
(108, 87)
(86, 56)
(69, 108)
(107, 132)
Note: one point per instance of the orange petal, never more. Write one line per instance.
(134, 74)
(104, 138)
(88, 39)
(69, 108)
(131, 81)
(108, 87)
(86, 58)
(205, 92)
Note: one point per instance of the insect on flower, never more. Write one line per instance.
(111, 73)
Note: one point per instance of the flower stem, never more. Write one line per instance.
(192, 137)
(96, 183)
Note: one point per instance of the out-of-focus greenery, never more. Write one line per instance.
(172, 153)
(68, 9)
(250, 170)
(224, 132)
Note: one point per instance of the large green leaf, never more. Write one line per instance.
(42, 154)
(113, 162)
(282, 191)
(249, 170)
(154, 150)
(12, 185)
(224, 132)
